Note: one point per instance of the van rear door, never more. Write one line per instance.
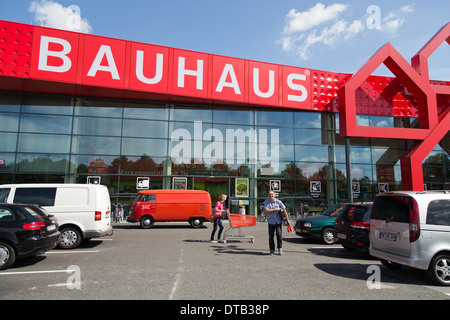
(390, 225)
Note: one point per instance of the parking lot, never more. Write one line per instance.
(173, 261)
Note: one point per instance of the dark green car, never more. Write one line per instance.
(320, 226)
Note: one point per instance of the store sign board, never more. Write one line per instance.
(84, 59)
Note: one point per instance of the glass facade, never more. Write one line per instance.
(65, 139)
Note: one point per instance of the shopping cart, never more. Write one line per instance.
(238, 221)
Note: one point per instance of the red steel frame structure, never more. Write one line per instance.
(43, 60)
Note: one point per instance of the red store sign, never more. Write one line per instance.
(98, 61)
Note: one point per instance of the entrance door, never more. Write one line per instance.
(215, 187)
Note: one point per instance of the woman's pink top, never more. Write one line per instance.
(219, 206)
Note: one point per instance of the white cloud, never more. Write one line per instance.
(325, 25)
(394, 20)
(54, 15)
(302, 21)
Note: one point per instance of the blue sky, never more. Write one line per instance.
(337, 36)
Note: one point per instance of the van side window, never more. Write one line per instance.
(148, 198)
(40, 196)
(439, 212)
(4, 193)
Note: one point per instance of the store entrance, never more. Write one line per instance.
(215, 187)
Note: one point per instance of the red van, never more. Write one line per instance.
(150, 206)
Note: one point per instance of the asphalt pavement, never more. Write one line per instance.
(173, 261)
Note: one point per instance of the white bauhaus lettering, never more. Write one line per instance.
(182, 72)
(297, 87)
(140, 68)
(111, 67)
(44, 53)
(228, 70)
(256, 89)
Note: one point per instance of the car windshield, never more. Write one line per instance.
(333, 210)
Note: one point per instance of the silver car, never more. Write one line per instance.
(413, 229)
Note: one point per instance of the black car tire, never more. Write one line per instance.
(70, 238)
(7, 255)
(439, 270)
(146, 222)
(328, 236)
(196, 222)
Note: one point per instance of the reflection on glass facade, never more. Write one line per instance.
(67, 139)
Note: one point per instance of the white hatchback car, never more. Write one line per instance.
(413, 228)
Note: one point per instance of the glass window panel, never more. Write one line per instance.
(48, 105)
(188, 130)
(307, 120)
(9, 121)
(360, 155)
(234, 132)
(97, 126)
(145, 128)
(45, 124)
(387, 173)
(311, 153)
(274, 118)
(362, 172)
(308, 136)
(8, 141)
(10, 103)
(146, 113)
(285, 153)
(96, 145)
(140, 165)
(339, 153)
(44, 143)
(433, 158)
(42, 163)
(7, 162)
(380, 121)
(310, 170)
(203, 115)
(243, 117)
(362, 120)
(434, 174)
(148, 147)
(386, 156)
(94, 164)
(88, 107)
(285, 135)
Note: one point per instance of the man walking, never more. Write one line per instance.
(274, 210)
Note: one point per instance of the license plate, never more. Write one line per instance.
(51, 227)
(388, 236)
(342, 236)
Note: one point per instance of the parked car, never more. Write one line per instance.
(83, 210)
(412, 229)
(25, 230)
(352, 226)
(321, 226)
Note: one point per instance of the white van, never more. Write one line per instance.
(412, 228)
(83, 210)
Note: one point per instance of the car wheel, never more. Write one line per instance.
(439, 270)
(328, 236)
(390, 264)
(196, 222)
(7, 256)
(70, 238)
(146, 222)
